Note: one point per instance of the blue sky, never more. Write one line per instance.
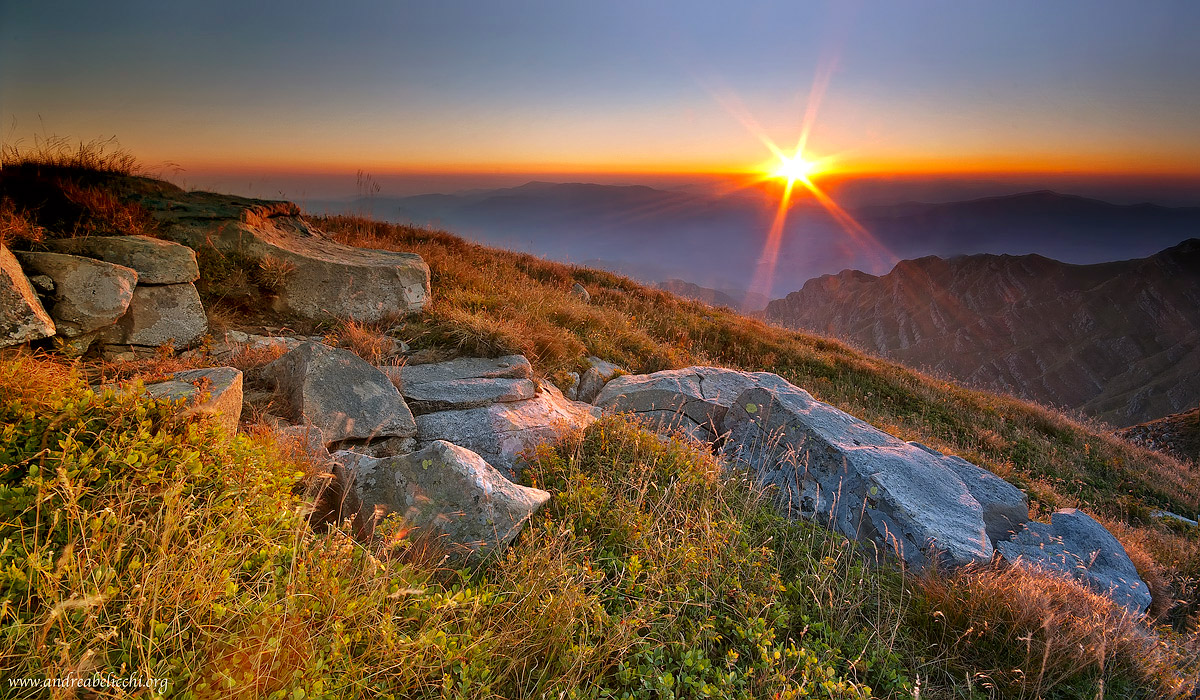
(1099, 85)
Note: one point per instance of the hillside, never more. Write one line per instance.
(1177, 435)
(650, 571)
(1119, 341)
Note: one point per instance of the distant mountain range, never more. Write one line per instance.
(716, 241)
(1118, 340)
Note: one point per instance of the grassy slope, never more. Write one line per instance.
(356, 622)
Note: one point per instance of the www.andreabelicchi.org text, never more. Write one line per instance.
(95, 681)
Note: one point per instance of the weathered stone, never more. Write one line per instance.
(465, 393)
(88, 294)
(858, 480)
(42, 283)
(446, 489)
(155, 261)
(572, 391)
(166, 314)
(1005, 507)
(593, 380)
(319, 278)
(217, 391)
(501, 431)
(509, 366)
(580, 291)
(22, 317)
(701, 394)
(340, 393)
(1076, 546)
(1173, 517)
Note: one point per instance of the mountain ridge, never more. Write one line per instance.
(1117, 340)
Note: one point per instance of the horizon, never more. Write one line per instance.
(1087, 89)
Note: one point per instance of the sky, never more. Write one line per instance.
(236, 88)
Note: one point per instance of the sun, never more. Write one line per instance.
(797, 167)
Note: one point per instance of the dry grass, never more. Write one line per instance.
(1013, 633)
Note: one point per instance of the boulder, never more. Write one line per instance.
(155, 261)
(856, 479)
(509, 366)
(320, 279)
(1074, 545)
(579, 291)
(216, 390)
(339, 392)
(22, 317)
(501, 431)
(694, 399)
(466, 393)
(593, 380)
(166, 314)
(88, 294)
(1005, 507)
(444, 488)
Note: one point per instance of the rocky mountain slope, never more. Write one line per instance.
(1177, 435)
(1119, 341)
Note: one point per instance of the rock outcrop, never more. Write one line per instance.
(443, 488)
(88, 294)
(858, 480)
(321, 279)
(1005, 507)
(22, 316)
(693, 400)
(339, 392)
(1074, 545)
(155, 261)
(469, 382)
(500, 432)
(216, 391)
(162, 314)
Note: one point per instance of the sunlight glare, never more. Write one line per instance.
(795, 168)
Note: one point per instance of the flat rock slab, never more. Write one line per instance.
(22, 316)
(326, 280)
(858, 480)
(444, 488)
(466, 393)
(682, 398)
(218, 391)
(88, 294)
(509, 366)
(1074, 545)
(166, 314)
(156, 261)
(339, 392)
(502, 431)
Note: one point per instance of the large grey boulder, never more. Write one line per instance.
(856, 479)
(166, 314)
(339, 392)
(22, 317)
(1005, 507)
(156, 261)
(599, 373)
(509, 366)
(320, 279)
(443, 488)
(694, 399)
(217, 392)
(501, 431)
(88, 294)
(1074, 545)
